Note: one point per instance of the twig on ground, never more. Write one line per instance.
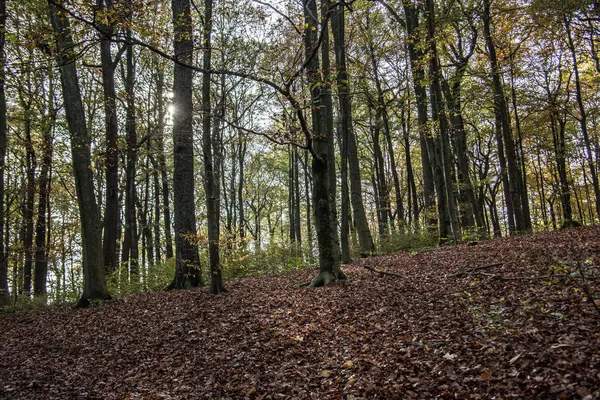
(385, 272)
(473, 271)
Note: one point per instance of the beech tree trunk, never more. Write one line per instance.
(416, 55)
(347, 134)
(162, 164)
(4, 294)
(329, 268)
(327, 114)
(187, 259)
(94, 280)
(512, 176)
(210, 182)
(439, 116)
(42, 223)
(130, 250)
(583, 117)
(111, 203)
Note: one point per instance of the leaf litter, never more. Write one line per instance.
(522, 327)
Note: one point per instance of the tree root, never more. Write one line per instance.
(326, 277)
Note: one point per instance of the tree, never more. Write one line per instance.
(42, 225)
(111, 205)
(329, 268)
(4, 294)
(94, 280)
(348, 139)
(187, 259)
(511, 175)
(211, 182)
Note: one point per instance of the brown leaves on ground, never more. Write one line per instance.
(522, 329)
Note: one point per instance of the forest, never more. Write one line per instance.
(151, 144)
(188, 172)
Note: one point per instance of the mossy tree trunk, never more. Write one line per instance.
(329, 267)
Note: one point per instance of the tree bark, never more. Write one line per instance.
(43, 216)
(583, 117)
(111, 204)
(416, 55)
(329, 268)
(512, 169)
(166, 201)
(327, 114)
(439, 116)
(187, 259)
(210, 183)
(94, 281)
(4, 294)
(347, 134)
(130, 250)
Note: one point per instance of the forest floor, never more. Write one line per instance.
(521, 326)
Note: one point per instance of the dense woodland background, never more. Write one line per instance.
(152, 144)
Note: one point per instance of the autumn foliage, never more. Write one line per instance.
(507, 318)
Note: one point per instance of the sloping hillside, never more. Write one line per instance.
(505, 318)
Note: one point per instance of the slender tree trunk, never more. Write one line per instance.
(583, 117)
(520, 154)
(42, 223)
(291, 196)
(413, 203)
(426, 142)
(187, 259)
(162, 163)
(94, 281)
(345, 206)
(4, 294)
(379, 180)
(242, 155)
(31, 165)
(348, 139)
(513, 177)
(130, 242)
(111, 204)
(561, 163)
(439, 115)
(307, 191)
(210, 183)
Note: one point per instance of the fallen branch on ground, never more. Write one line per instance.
(385, 272)
(473, 271)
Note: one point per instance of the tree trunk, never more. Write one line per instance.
(348, 139)
(329, 268)
(242, 155)
(439, 115)
(327, 115)
(211, 185)
(43, 222)
(410, 176)
(111, 205)
(30, 165)
(163, 164)
(4, 294)
(187, 259)
(94, 281)
(512, 176)
(583, 117)
(130, 241)
(426, 142)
